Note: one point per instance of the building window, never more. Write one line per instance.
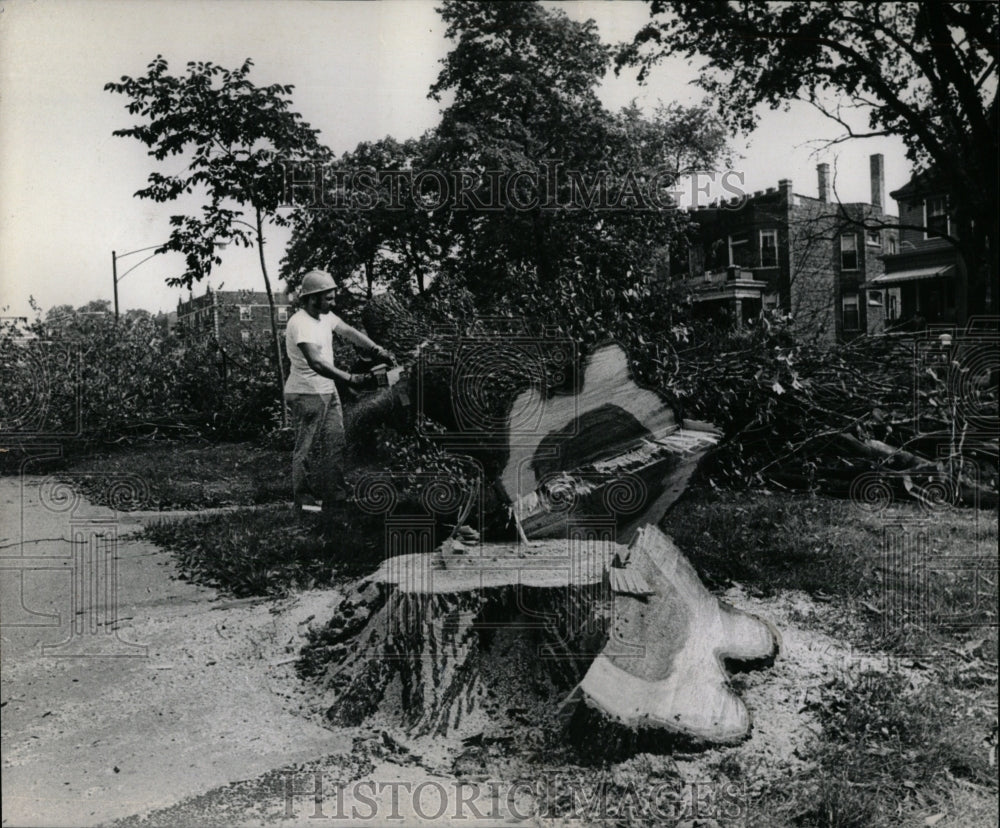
(849, 252)
(245, 336)
(874, 298)
(892, 302)
(282, 314)
(739, 250)
(874, 238)
(768, 248)
(849, 304)
(936, 217)
(890, 245)
(245, 313)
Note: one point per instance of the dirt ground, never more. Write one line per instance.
(123, 700)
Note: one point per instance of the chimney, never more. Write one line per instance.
(785, 188)
(823, 174)
(877, 163)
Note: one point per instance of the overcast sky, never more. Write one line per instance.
(361, 71)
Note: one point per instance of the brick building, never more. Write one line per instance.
(233, 317)
(919, 279)
(807, 255)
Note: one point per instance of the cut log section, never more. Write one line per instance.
(434, 643)
(613, 450)
(663, 667)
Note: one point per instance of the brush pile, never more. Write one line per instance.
(878, 418)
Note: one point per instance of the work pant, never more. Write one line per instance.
(318, 457)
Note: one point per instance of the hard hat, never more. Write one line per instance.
(316, 281)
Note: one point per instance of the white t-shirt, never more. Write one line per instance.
(303, 328)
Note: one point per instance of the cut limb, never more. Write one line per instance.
(956, 485)
(434, 643)
(365, 409)
(663, 665)
(612, 451)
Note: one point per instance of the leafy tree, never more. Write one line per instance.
(926, 72)
(569, 184)
(231, 132)
(384, 238)
(67, 322)
(138, 313)
(524, 87)
(521, 82)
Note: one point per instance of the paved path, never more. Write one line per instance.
(123, 688)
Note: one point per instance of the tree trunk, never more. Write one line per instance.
(663, 668)
(279, 367)
(578, 631)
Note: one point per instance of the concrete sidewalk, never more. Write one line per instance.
(123, 688)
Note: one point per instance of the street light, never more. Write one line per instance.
(114, 267)
(219, 243)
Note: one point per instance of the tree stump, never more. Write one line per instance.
(426, 643)
(418, 641)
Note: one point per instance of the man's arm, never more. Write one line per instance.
(314, 357)
(355, 337)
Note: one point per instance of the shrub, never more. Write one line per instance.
(81, 375)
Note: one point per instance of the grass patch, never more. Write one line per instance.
(184, 475)
(896, 580)
(266, 552)
(912, 582)
(774, 542)
(890, 755)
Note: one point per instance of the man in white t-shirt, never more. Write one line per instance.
(311, 394)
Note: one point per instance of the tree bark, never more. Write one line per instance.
(279, 367)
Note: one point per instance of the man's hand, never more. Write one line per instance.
(386, 354)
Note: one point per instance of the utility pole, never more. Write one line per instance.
(114, 276)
